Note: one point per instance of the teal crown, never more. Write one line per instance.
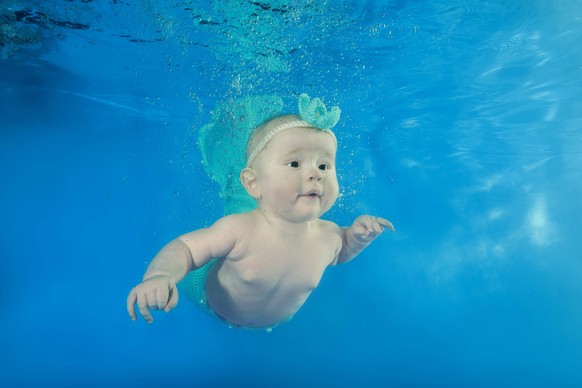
(313, 111)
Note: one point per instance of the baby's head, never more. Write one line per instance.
(262, 135)
(291, 168)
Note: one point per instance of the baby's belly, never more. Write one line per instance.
(255, 302)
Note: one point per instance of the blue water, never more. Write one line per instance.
(462, 123)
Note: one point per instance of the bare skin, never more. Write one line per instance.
(272, 258)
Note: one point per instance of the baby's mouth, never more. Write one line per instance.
(312, 194)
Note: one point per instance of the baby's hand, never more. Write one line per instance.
(157, 293)
(366, 228)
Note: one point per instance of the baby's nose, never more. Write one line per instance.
(315, 175)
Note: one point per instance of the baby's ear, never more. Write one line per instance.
(248, 177)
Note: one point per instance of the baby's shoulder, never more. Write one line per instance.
(331, 235)
(235, 223)
(329, 227)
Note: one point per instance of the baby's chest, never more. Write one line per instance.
(300, 263)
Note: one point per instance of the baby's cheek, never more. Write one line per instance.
(335, 188)
(333, 191)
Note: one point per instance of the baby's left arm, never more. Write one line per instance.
(358, 236)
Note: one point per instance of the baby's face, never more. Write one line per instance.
(296, 174)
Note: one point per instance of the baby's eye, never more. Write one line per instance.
(294, 164)
(324, 166)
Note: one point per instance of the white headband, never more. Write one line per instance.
(278, 129)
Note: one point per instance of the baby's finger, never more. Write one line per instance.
(173, 300)
(152, 299)
(131, 299)
(162, 298)
(142, 304)
(385, 223)
(377, 227)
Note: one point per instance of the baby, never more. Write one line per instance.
(268, 260)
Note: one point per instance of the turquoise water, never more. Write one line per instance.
(461, 123)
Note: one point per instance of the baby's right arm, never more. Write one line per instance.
(182, 255)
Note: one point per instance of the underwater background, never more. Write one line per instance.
(461, 123)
